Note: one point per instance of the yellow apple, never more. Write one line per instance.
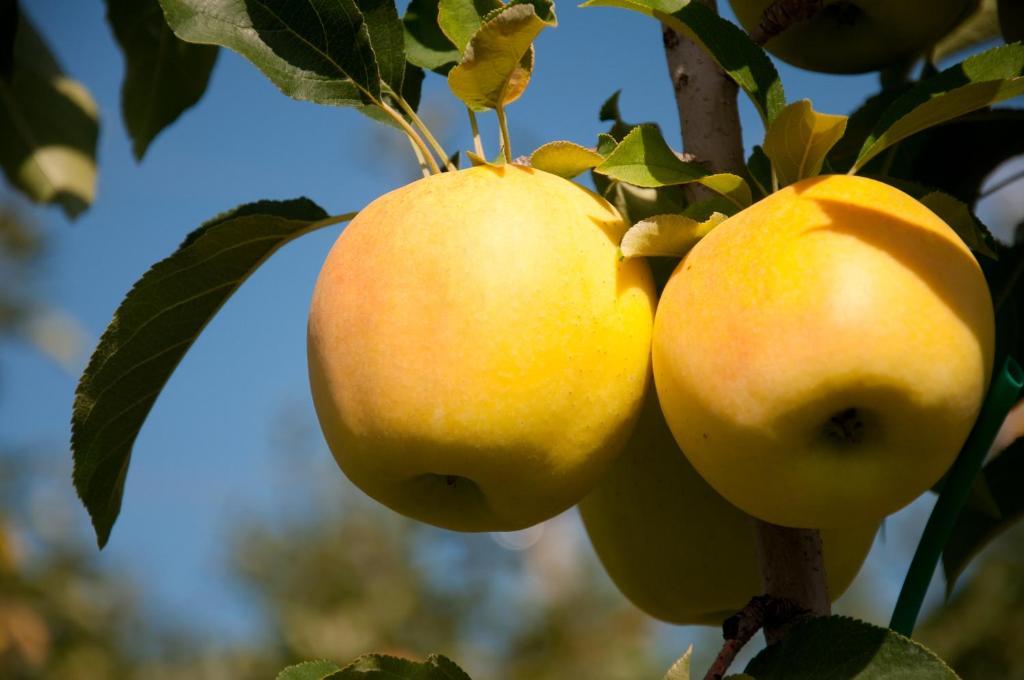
(822, 355)
(854, 36)
(478, 351)
(677, 549)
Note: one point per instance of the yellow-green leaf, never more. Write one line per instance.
(565, 159)
(666, 235)
(799, 139)
(681, 668)
(460, 19)
(496, 65)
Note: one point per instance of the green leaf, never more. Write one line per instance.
(387, 38)
(860, 125)
(958, 215)
(759, 167)
(666, 235)
(152, 329)
(977, 82)
(425, 44)
(680, 670)
(382, 667)
(310, 670)
(840, 648)
(981, 26)
(286, 40)
(746, 63)
(48, 127)
(565, 159)
(164, 76)
(798, 140)
(977, 525)
(460, 19)
(1011, 19)
(606, 144)
(644, 158)
(496, 66)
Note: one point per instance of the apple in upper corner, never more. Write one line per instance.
(854, 36)
(678, 550)
(478, 350)
(822, 355)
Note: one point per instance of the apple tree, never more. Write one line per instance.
(832, 328)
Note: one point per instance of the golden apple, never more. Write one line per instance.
(678, 550)
(822, 355)
(478, 351)
(854, 36)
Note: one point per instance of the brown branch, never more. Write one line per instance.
(762, 611)
(792, 569)
(782, 14)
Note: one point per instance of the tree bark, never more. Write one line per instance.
(792, 570)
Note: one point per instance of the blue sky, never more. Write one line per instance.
(206, 454)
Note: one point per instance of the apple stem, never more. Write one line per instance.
(506, 144)
(791, 560)
(478, 145)
(427, 134)
(412, 135)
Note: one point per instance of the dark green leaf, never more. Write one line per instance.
(975, 83)
(310, 670)
(163, 77)
(312, 49)
(644, 158)
(746, 63)
(978, 525)
(461, 19)
(152, 329)
(387, 38)
(760, 170)
(980, 26)
(859, 125)
(426, 45)
(610, 113)
(381, 667)
(48, 127)
(840, 648)
(958, 156)
(496, 66)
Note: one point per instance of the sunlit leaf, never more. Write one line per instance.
(840, 648)
(154, 326)
(798, 140)
(310, 670)
(666, 235)
(977, 82)
(746, 63)
(381, 667)
(460, 19)
(496, 65)
(48, 127)
(565, 159)
(164, 76)
(680, 670)
(644, 158)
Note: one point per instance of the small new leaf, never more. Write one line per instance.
(681, 668)
(382, 667)
(666, 235)
(48, 127)
(798, 140)
(565, 159)
(497, 62)
(644, 158)
(163, 77)
(958, 215)
(977, 82)
(841, 648)
(310, 670)
(154, 326)
(746, 63)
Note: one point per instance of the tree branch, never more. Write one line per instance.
(791, 562)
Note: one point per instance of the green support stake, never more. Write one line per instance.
(1001, 397)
